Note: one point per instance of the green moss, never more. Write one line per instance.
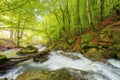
(87, 46)
(28, 50)
(72, 40)
(87, 38)
(61, 74)
(94, 54)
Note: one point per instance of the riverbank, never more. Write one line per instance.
(62, 67)
(97, 44)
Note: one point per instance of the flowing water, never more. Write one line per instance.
(102, 71)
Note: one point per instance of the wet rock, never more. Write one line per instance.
(94, 54)
(74, 57)
(27, 50)
(4, 78)
(60, 74)
(3, 59)
(44, 57)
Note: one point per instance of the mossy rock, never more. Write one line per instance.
(118, 55)
(44, 57)
(27, 50)
(111, 34)
(3, 59)
(60, 74)
(74, 57)
(94, 54)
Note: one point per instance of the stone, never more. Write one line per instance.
(44, 57)
(93, 54)
(60, 74)
(74, 57)
(27, 50)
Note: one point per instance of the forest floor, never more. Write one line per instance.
(99, 43)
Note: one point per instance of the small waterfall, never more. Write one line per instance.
(96, 70)
(13, 73)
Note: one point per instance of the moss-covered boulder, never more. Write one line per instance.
(60, 74)
(94, 54)
(27, 50)
(43, 56)
(3, 59)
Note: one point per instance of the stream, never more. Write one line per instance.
(102, 71)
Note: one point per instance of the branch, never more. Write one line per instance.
(15, 7)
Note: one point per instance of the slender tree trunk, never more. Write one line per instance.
(63, 20)
(78, 23)
(88, 13)
(11, 34)
(68, 19)
(102, 9)
(18, 35)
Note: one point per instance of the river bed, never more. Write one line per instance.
(103, 71)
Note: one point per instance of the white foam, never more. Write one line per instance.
(57, 61)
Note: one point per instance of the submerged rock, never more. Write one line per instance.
(27, 50)
(43, 58)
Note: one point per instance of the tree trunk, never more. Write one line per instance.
(88, 12)
(18, 35)
(11, 34)
(78, 17)
(102, 9)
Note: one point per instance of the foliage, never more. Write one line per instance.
(52, 20)
(87, 38)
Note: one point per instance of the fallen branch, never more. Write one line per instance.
(15, 61)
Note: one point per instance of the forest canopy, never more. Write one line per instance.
(50, 21)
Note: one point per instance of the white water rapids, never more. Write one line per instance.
(103, 71)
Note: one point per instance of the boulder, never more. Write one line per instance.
(27, 50)
(60, 74)
(94, 54)
(44, 57)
